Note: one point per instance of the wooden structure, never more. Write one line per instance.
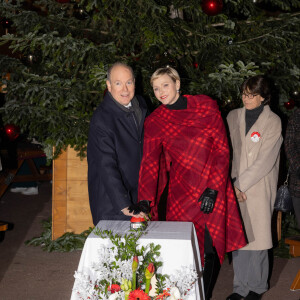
(70, 201)
(294, 243)
(279, 221)
(3, 226)
(37, 174)
(296, 283)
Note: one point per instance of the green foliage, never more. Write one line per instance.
(68, 242)
(127, 247)
(289, 229)
(60, 54)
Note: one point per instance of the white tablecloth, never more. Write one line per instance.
(179, 247)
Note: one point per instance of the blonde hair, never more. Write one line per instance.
(162, 71)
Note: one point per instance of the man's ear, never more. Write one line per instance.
(108, 85)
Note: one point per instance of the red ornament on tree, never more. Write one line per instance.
(195, 64)
(12, 131)
(290, 104)
(212, 7)
(6, 23)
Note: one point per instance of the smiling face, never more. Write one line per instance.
(121, 84)
(251, 100)
(165, 89)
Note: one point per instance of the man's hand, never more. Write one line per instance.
(208, 199)
(127, 212)
(241, 197)
(142, 206)
(140, 209)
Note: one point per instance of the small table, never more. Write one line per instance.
(179, 247)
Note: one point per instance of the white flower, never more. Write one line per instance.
(114, 296)
(175, 293)
(183, 279)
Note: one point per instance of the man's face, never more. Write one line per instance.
(121, 84)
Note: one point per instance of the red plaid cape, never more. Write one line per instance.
(191, 145)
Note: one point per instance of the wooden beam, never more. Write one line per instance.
(296, 283)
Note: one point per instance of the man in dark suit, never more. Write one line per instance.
(114, 150)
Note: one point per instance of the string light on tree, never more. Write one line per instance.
(32, 58)
(212, 7)
(80, 13)
(228, 101)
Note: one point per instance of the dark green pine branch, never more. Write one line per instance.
(58, 57)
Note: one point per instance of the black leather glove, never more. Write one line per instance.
(142, 206)
(208, 199)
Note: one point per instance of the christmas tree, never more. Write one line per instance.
(55, 54)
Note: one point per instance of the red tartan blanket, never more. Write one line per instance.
(191, 145)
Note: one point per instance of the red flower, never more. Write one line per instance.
(135, 263)
(114, 288)
(138, 295)
(164, 294)
(149, 271)
(151, 268)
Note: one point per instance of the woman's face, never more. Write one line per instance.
(251, 100)
(165, 89)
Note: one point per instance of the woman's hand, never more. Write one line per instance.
(241, 197)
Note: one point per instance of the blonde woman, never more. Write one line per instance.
(185, 140)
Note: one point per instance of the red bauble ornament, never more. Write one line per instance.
(12, 131)
(195, 64)
(290, 104)
(6, 23)
(212, 7)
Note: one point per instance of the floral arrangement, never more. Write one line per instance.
(126, 271)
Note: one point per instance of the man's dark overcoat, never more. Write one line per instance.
(114, 154)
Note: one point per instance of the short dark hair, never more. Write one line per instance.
(260, 85)
(116, 64)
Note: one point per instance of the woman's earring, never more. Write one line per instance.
(178, 91)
